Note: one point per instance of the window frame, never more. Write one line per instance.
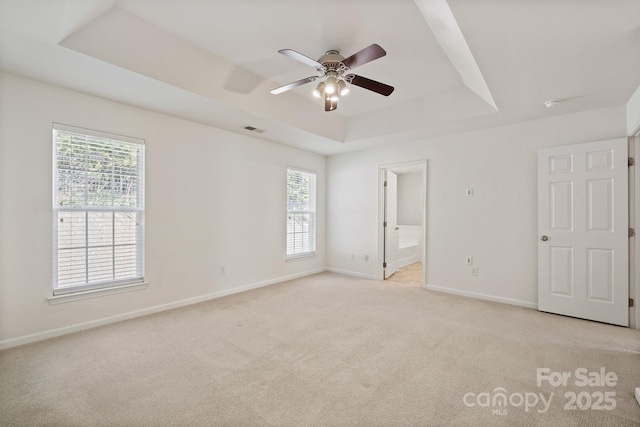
(311, 212)
(139, 209)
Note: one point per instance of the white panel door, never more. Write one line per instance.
(583, 252)
(391, 235)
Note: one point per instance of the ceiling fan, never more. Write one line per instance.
(332, 69)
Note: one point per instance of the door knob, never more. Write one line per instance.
(544, 238)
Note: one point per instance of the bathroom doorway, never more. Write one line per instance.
(402, 222)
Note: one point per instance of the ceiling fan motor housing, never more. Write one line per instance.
(332, 61)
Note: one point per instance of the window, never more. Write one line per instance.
(98, 209)
(301, 213)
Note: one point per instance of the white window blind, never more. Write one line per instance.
(98, 209)
(301, 213)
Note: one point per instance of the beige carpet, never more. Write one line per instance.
(410, 274)
(324, 350)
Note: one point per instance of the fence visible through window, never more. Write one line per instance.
(301, 212)
(98, 209)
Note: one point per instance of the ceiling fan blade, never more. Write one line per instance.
(329, 105)
(367, 54)
(291, 85)
(300, 57)
(369, 84)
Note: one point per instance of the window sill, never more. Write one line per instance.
(94, 293)
(300, 257)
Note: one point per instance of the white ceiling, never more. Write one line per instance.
(215, 61)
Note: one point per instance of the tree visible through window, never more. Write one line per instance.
(98, 209)
(301, 213)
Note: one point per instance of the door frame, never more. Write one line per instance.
(418, 166)
(634, 222)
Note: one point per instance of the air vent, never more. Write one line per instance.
(254, 129)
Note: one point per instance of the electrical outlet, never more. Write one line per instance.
(474, 271)
(222, 269)
(468, 260)
(366, 258)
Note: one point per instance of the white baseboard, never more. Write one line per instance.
(485, 297)
(52, 333)
(352, 273)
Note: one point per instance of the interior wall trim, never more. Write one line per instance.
(502, 300)
(352, 273)
(52, 333)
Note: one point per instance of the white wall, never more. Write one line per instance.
(497, 226)
(633, 113)
(213, 198)
(410, 199)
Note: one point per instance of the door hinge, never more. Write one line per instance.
(632, 303)
(384, 265)
(632, 232)
(631, 161)
(384, 224)
(385, 183)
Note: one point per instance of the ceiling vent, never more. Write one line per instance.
(254, 129)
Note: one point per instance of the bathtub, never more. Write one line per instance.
(409, 244)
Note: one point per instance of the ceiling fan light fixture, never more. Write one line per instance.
(343, 89)
(330, 86)
(319, 90)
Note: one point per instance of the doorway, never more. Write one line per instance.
(402, 229)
